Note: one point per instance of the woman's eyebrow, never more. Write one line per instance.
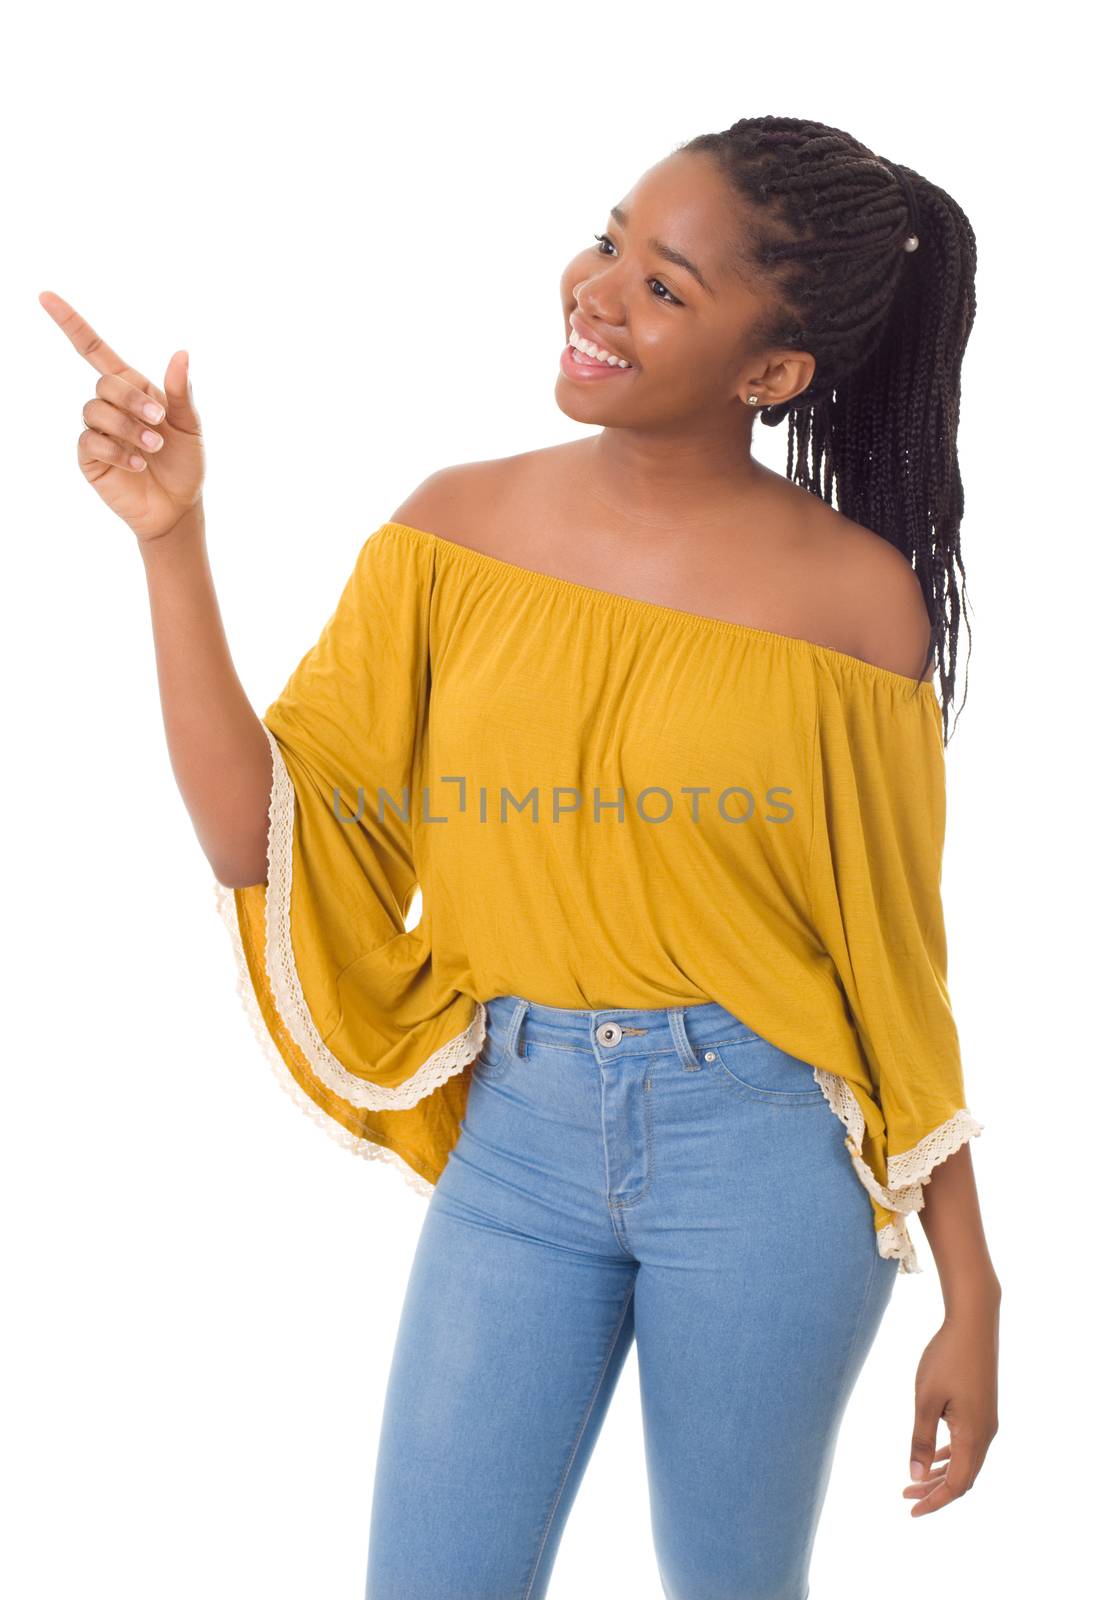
(668, 252)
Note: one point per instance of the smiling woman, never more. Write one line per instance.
(675, 1074)
(734, 264)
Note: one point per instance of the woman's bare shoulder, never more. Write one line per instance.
(876, 594)
(469, 502)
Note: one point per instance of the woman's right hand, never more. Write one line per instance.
(156, 495)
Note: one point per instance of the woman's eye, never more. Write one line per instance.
(605, 238)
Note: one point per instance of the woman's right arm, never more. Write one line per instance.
(142, 452)
(219, 750)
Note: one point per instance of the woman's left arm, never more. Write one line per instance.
(957, 1375)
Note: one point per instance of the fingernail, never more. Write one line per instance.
(917, 1470)
(153, 412)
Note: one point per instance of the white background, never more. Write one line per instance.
(329, 207)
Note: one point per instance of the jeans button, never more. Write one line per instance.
(608, 1033)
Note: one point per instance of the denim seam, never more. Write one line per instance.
(857, 1323)
(622, 1205)
(527, 1593)
(845, 1365)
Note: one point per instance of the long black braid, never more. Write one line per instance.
(887, 327)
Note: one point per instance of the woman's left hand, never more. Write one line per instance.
(957, 1380)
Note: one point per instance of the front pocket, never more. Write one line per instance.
(493, 1059)
(757, 1068)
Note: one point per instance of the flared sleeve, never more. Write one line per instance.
(343, 997)
(878, 839)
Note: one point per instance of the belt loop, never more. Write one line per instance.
(514, 1042)
(681, 1040)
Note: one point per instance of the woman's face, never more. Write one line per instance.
(686, 330)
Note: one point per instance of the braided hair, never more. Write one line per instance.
(887, 325)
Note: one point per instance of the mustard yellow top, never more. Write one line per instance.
(606, 802)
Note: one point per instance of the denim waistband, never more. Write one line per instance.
(611, 1032)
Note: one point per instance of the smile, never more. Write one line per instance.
(594, 352)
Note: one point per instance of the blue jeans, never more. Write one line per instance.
(664, 1177)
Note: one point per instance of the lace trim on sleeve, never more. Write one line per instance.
(906, 1173)
(358, 1146)
(291, 1003)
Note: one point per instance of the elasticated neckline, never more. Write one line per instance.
(654, 608)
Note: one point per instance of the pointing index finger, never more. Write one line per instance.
(87, 343)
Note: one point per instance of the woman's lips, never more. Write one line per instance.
(584, 371)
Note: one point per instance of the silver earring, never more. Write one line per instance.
(752, 400)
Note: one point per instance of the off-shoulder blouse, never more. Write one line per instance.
(602, 801)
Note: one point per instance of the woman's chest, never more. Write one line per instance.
(675, 723)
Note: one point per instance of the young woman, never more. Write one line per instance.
(670, 1047)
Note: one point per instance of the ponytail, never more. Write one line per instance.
(831, 228)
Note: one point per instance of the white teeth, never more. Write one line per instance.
(595, 352)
